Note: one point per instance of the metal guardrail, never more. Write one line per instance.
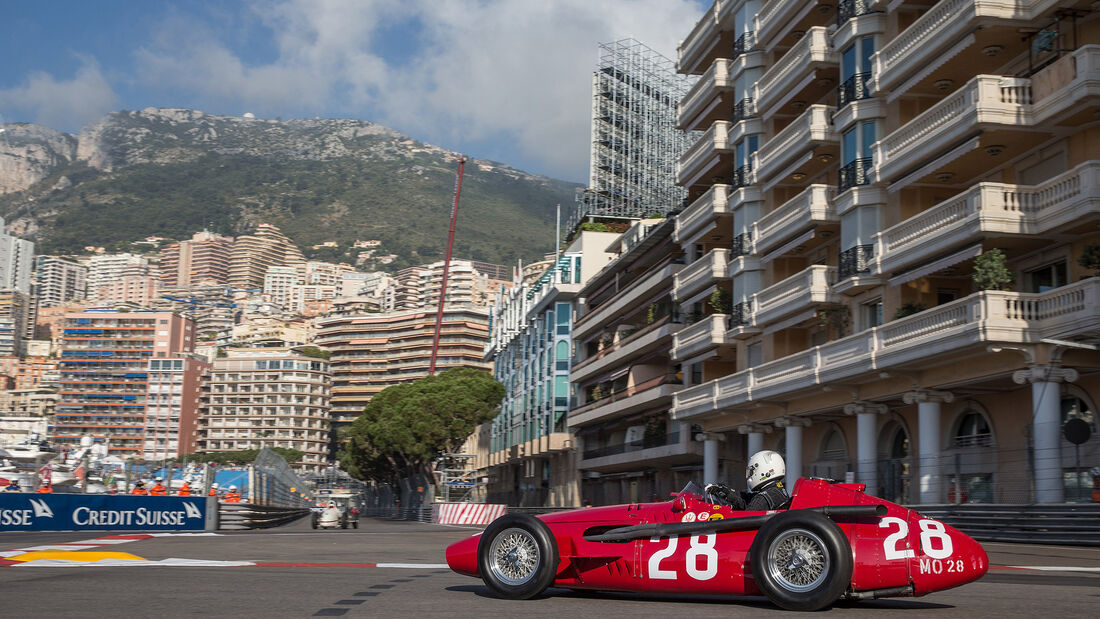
(1076, 524)
(240, 516)
(412, 514)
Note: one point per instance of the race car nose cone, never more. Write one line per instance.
(948, 558)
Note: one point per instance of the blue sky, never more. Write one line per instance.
(507, 80)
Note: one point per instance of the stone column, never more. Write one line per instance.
(793, 427)
(711, 445)
(866, 430)
(756, 433)
(1046, 430)
(928, 440)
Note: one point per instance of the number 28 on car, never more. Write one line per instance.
(833, 542)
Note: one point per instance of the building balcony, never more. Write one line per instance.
(778, 20)
(992, 210)
(948, 29)
(797, 72)
(809, 209)
(935, 337)
(642, 343)
(671, 449)
(703, 336)
(795, 145)
(701, 274)
(652, 393)
(708, 100)
(711, 37)
(801, 292)
(618, 305)
(552, 443)
(700, 217)
(710, 156)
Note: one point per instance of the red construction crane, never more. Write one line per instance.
(446, 266)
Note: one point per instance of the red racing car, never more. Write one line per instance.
(833, 542)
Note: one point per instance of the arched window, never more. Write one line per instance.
(973, 431)
(563, 350)
(834, 448)
(1074, 407)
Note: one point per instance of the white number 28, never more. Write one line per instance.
(934, 540)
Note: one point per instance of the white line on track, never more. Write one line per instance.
(414, 566)
(1054, 568)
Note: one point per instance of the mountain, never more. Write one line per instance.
(170, 172)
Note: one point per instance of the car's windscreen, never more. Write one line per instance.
(692, 490)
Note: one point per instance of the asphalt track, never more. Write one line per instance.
(390, 569)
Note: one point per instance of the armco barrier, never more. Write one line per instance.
(237, 516)
(105, 512)
(1076, 524)
(467, 513)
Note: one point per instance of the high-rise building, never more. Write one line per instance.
(252, 254)
(104, 374)
(104, 269)
(635, 140)
(16, 260)
(58, 280)
(468, 284)
(140, 291)
(203, 259)
(268, 397)
(897, 202)
(15, 312)
(278, 280)
(172, 406)
(373, 351)
(530, 458)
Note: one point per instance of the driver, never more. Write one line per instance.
(765, 474)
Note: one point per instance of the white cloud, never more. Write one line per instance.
(512, 71)
(62, 104)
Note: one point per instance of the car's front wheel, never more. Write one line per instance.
(801, 560)
(517, 556)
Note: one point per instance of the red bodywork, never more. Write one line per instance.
(902, 553)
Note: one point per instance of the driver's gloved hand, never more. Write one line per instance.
(724, 495)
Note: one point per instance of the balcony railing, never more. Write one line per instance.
(641, 387)
(800, 291)
(702, 212)
(741, 314)
(743, 109)
(700, 274)
(811, 129)
(811, 207)
(847, 9)
(644, 443)
(742, 176)
(853, 89)
(813, 50)
(855, 173)
(744, 43)
(705, 90)
(742, 244)
(856, 260)
(705, 334)
(713, 141)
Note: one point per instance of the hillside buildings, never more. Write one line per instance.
(203, 259)
(252, 254)
(16, 260)
(15, 312)
(172, 406)
(861, 163)
(373, 351)
(267, 397)
(531, 458)
(59, 280)
(469, 283)
(105, 269)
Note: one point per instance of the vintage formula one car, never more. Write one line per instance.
(833, 542)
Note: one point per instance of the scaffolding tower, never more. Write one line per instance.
(635, 142)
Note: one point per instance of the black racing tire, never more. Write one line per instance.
(801, 560)
(343, 523)
(517, 556)
(313, 520)
(355, 524)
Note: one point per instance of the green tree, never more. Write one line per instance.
(991, 271)
(406, 426)
(315, 352)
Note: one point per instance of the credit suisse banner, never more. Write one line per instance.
(75, 512)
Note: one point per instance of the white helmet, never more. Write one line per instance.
(232, 488)
(764, 467)
(214, 485)
(159, 479)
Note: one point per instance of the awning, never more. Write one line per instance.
(936, 265)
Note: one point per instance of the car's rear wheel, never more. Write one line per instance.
(517, 556)
(355, 524)
(801, 560)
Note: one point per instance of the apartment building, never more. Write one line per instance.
(268, 397)
(29, 372)
(373, 351)
(16, 260)
(139, 290)
(172, 406)
(861, 163)
(58, 280)
(202, 259)
(15, 311)
(531, 457)
(252, 254)
(469, 283)
(104, 374)
(105, 269)
(624, 377)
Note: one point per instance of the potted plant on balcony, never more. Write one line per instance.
(1090, 258)
(991, 271)
(908, 309)
(720, 301)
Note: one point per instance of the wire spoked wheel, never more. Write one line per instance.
(798, 560)
(514, 556)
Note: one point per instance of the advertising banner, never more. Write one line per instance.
(101, 512)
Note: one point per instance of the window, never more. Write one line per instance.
(872, 314)
(1074, 407)
(857, 155)
(855, 67)
(834, 448)
(697, 373)
(1046, 278)
(742, 174)
(973, 431)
